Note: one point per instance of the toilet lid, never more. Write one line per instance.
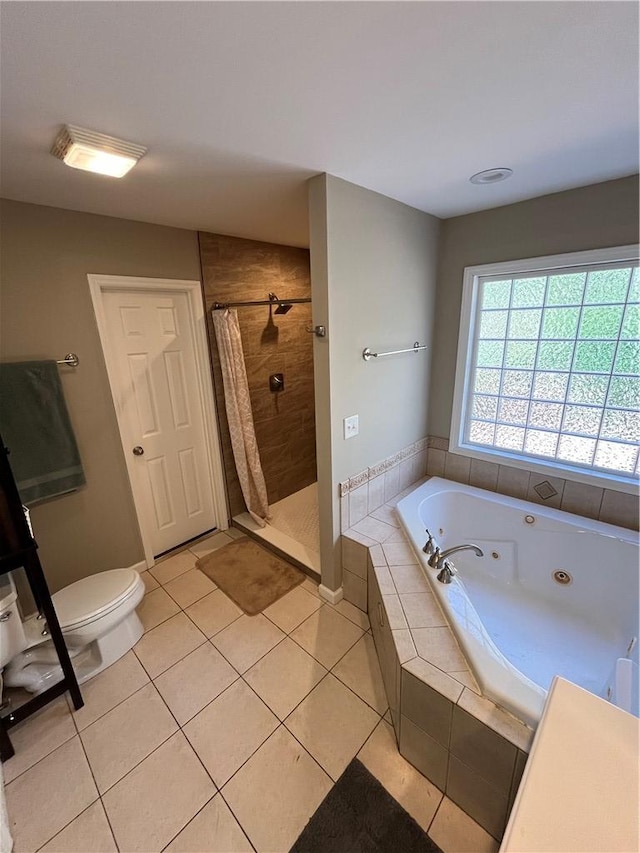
(93, 596)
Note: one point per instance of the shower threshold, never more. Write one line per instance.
(293, 529)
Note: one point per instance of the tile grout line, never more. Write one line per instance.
(101, 794)
(35, 763)
(201, 809)
(242, 829)
(280, 723)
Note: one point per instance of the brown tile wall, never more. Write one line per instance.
(234, 269)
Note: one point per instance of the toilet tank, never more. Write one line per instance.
(12, 638)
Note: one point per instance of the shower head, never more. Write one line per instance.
(283, 307)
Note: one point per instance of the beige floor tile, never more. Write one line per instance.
(214, 612)
(37, 736)
(229, 730)
(247, 640)
(290, 787)
(190, 587)
(112, 686)
(410, 788)
(168, 643)
(88, 833)
(292, 609)
(150, 583)
(455, 832)
(40, 804)
(211, 544)
(359, 669)
(171, 567)
(284, 677)
(310, 586)
(353, 614)
(213, 830)
(195, 681)
(155, 608)
(327, 636)
(154, 802)
(332, 724)
(126, 735)
(234, 533)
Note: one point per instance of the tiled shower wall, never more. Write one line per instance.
(238, 270)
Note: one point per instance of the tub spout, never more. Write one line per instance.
(445, 568)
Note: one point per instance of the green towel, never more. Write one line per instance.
(35, 426)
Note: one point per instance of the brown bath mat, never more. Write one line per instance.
(250, 575)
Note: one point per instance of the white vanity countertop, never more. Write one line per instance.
(580, 788)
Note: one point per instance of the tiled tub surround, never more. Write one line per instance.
(462, 742)
(367, 492)
(517, 625)
(601, 504)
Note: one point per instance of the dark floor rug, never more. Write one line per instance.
(359, 816)
(250, 575)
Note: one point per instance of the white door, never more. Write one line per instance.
(152, 353)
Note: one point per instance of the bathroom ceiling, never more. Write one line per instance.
(239, 103)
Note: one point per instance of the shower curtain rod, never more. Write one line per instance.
(217, 306)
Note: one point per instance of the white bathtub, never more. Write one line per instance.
(517, 626)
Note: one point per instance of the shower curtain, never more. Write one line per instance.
(239, 415)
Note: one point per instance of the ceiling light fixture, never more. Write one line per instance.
(95, 152)
(491, 176)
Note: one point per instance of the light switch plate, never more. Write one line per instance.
(351, 426)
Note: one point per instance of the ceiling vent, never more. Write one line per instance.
(96, 152)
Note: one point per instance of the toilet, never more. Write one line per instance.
(99, 623)
(12, 638)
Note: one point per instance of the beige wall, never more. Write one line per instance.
(587, 218)
(47, 312)
(376, 261)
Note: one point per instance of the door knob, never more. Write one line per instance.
(138, 451)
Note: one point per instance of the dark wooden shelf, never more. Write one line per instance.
(18, 549)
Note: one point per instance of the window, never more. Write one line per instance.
(548, 375)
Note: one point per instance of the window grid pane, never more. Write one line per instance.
(556, 368)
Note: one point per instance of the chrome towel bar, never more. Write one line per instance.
(368, 355)
(70, 358)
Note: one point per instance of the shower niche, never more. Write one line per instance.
(269, 286)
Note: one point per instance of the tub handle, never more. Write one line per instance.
(380, 614)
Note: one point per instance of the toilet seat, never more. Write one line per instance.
(86, 600)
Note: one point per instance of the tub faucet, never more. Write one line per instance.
(445, 568)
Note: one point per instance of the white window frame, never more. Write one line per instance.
(466, 340)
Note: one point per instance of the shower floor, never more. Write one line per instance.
(294, 527)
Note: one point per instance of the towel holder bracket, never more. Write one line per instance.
(70, 358)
